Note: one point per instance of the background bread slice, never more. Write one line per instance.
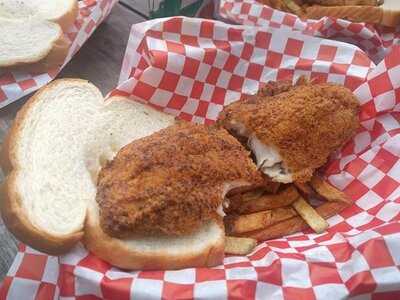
(26, 41)
(31, 33)
(56, 147)
(54, 59)
(63, 12)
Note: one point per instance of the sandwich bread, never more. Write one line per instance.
(31, 32)
(57, 145)
(62, 12)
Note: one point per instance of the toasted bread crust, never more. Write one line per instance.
(14, 216)
(5, 153)
(117, 254)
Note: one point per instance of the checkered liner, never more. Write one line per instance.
(192, 68)
(376, 41)
(16, 84)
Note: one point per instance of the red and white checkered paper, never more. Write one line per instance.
(192, 68)
(375, 40)
(16, 84)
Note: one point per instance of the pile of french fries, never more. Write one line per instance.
(300, 7)
(276, 210)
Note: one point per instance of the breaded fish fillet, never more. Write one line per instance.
(292, 133)
(172, 181)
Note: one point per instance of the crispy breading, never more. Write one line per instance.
(272, 88)
(305, 124)
(172, 181)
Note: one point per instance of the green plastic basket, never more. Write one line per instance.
(168, 8)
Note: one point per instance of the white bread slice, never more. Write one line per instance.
(55, 58)
(32, 32)
(26, 41)
(63, 12)
(55, 149)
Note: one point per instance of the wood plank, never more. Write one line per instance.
(142, 6)
(98, 61)
(101, 57)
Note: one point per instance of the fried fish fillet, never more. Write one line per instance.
(172, 181)
(292, 133)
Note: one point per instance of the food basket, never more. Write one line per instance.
(374, 40)
(191, 68)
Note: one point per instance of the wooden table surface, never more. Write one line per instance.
(99, 61)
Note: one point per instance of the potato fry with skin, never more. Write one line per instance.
(365, 13)
(238, 199)
(268, 186)
(272, 187)
(309, 214)
(236, 224)
(295, 224)
(293, 7)
(345, 2)
(327, 191)
(278, 4)
(330, 209)
(256, 201)
(305, 189)
(239, 246)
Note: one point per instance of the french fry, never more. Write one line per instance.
(294, 7)
(278, 4)
(278, 230)
(345, 2)
(365, 13)
(239, 246)
(258, 201)
(295, 224)
(272, 187)
(330, 209)
(307, 192)
(327, 191)
(246, 197)
(236, 224)
(310, 215)
(305, 189)
(267, 186)
(241, 190)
